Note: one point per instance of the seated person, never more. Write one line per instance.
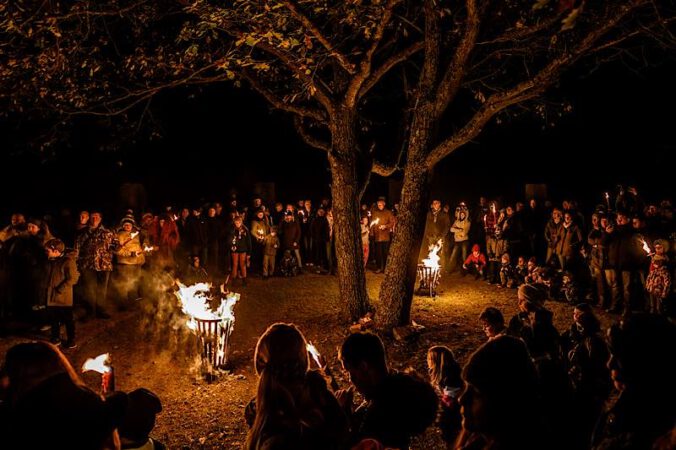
(396, 405)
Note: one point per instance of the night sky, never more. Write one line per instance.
(622, 130)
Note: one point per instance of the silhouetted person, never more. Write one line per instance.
(396, 405)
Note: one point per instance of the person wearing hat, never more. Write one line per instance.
(534, 323)
(61, 275)
(382, 222)
(130, 259)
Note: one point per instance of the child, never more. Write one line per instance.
(532, 269)
(445, 377)
(506, 272)
(658, 283)
(196, 273)
(61, 276)
(475, 263)
(289, 264)
(365, 238)
(139, 420)
(570, 289)
(520, 271)
(271, 242)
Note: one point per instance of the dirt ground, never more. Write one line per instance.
(150, 349)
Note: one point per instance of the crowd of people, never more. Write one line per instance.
(528, 387)
(516, 392)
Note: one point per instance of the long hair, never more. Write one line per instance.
(281, 362)
(444, 370)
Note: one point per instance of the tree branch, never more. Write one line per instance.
(430, 69)
(309, 139)
(383, 170)
(455, 72)
(365, 66)
(527, 89)
(387, 65)
(316, 32)
(278, 103)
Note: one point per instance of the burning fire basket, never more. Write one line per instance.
(212, 327)
(214, 341)
(429, 271)
(429, 280)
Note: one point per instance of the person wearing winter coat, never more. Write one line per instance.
(568, 242)
(61, 275)
(475, 263)
(460, 229)
(290, 236)
(552, 235)
(271, 244)
(598, 258)
(658, 283)
(130, 259)
(321, 236)
(239, 239)
(437, 225)
(382, 222)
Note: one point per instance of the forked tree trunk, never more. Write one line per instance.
(396, 292)
(345, 191)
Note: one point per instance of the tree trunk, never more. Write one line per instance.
(396, 292)
(345, 192)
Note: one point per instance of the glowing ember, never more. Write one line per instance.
(100, 364)
(646, 247)
(315, 354)
(375, 221)
(607, 196)
(433, 257)
(148, 249)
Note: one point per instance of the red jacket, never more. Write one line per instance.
(479, 260)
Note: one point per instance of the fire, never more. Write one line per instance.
(195, 304)
(433, 257)
(315, 354)
(375, 221)
(646, 247)
(133, 235)
(100, 364)
(607, 196)
(148, 249)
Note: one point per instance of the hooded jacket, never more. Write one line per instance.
(61, 276)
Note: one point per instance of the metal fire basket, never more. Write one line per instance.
(429, 280)
(213, 338)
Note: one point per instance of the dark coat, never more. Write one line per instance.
(239, 240)
(197, 231)
(569, 240)
(624, 249)
(319, 230)
(61, 275)
(437, 226)
(290, 235)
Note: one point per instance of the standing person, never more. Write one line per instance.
(95, 248)
(444, 372)
(290, 235)
(381, 229)
(461, 231)
(476, 216)
(240, 250)
(658, 283)
(277, 214)
(365, 238)
(215, 231)
(595, 240)
(130, 259)
(183, 249)
(552, 236)
(321, 236)
(490, 222)
(167, 243)
(271, 245)
(569, 241)
(306, 215)
(260, 229)
(437, 225)
(198, 235)
(61, 275)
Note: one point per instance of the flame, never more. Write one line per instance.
(148, 249)
(100, 364)
(646, 247)
(195, 304)
(433, 257)
(375, 221)
(133, 235)
(313, 351)
(607, 196)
